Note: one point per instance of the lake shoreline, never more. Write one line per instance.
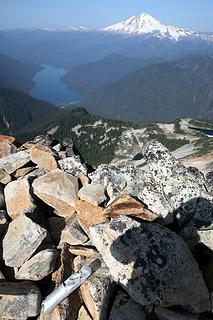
(49, 86)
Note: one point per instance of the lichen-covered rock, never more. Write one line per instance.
(73, 165)
(45, 139)
(182, 189)
(209, 182)
(73, 234)
(111, 178)
(92, 193)
(152, 263)
(127, 205)
(43, 157)
(21, 240)
(19, 300)
(39, 266)
(151, 194)
(126, 309)
(97, 290)
(23, 172)
(14, 161)
(59, 190)
(18, 198)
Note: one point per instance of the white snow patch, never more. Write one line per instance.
(146, 24)
(167, 127)
(53, 130)
(76, 130)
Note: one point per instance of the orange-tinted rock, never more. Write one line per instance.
(59, 190)
(9, 139)
(5, 178)
(6, 149)
(23, 172)
(97, 289)
(85, 252)
(43, 157)
(84, 179)
(88, 215)
(18, 199)
(27, 145)
(128, 206)
(83, 314)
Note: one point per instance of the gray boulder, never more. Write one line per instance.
(21, 240)
(152, 263)
(39, 266)
(19, 300)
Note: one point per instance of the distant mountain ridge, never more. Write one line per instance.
(140, 37)
(15, 74)
(88, 77)
(159, 92)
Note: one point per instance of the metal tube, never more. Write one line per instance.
(64, 290)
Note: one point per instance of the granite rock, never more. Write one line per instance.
(6, 149)
(88, 214)
(92, 193)
(5, 178)
(39, 266)
(21, 240)
(58, 189)
(127, 205)
(43, 157)
(97, 290)
(18, 198)
(152, 263)
(14, 161)
(19, 300)
(73, 165)
(73, 234)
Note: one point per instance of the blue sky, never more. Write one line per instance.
(192, 14)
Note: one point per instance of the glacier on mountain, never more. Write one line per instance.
(146, 24)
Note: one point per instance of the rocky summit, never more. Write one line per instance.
(146, 232)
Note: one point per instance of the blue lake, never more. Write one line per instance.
(207, 132)
(50, 87)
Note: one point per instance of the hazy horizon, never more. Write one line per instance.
(97, 14)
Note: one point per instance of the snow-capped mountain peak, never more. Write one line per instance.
(146, 24)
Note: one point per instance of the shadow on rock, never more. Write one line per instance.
(154, 264)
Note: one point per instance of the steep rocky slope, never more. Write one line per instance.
(121, 142)
(146, 236)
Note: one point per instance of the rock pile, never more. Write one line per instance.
(151, 231)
